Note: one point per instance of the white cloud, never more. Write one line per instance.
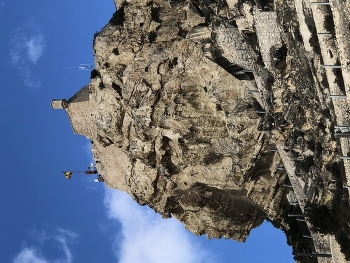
(29, 255)
(146, 237)
(26, 47)
(35, 47)
(63, 238)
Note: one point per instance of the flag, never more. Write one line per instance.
(68, 175)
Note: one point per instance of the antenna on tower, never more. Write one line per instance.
(88, 67)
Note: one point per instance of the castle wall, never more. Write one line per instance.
(81, 113)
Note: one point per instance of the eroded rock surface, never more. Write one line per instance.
(177, 126)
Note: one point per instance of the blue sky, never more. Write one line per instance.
(46, 218)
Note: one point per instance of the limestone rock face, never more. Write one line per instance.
(189, 101)
(176, 129)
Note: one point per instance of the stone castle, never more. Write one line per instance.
(80, 111)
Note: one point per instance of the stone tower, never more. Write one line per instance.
(80, 110)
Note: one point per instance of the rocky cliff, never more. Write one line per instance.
(205, 111)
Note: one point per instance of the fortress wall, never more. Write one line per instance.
(81, 117)
(81, 113)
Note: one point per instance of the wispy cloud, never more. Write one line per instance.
(64, 237)
(32, 254)
(87, 150)
(146, 237)
(26, 47)
(35, 47)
